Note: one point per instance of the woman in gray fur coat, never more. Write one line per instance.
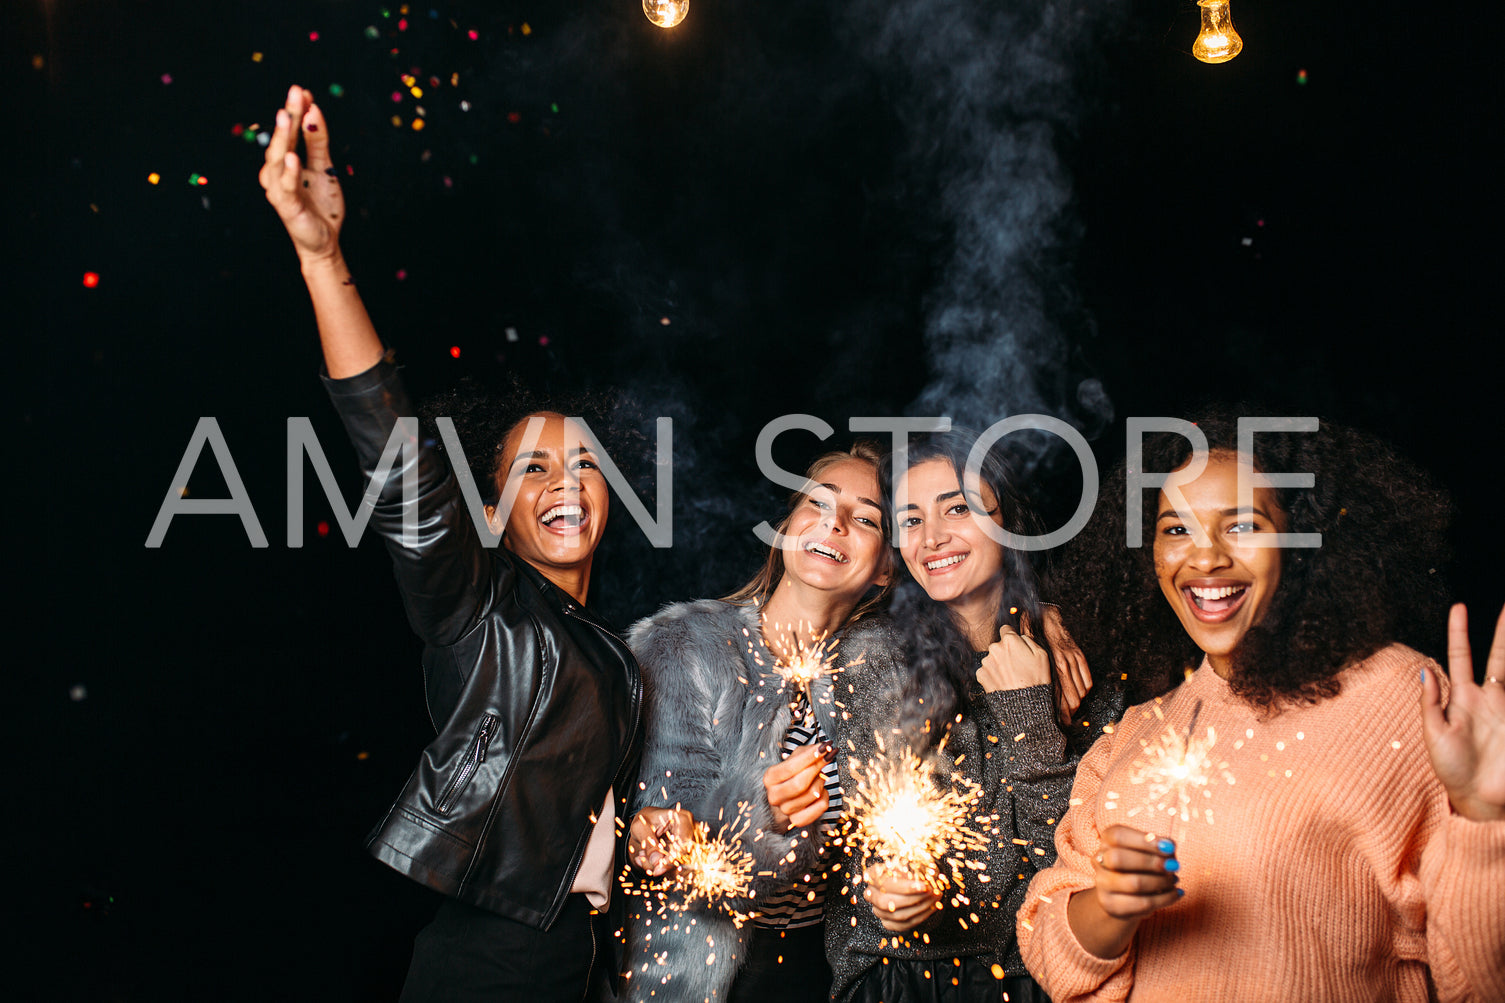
(956, 659)
(729, 741)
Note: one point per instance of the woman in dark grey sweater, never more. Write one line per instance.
(955, 665)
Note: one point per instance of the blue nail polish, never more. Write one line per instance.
(1180, 892)
(1173, 864)
(1166, 846)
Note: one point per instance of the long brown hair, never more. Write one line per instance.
(762, 584)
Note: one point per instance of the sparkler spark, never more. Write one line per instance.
(811, 660)
(713, 871)
(900, 817)
(1176, 766)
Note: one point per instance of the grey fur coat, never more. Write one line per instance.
(716, 712)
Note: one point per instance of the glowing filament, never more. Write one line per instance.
(1175, 767)
(901, 818)
(713, 870)
(666, 13)
(1217, 42)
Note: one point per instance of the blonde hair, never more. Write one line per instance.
(762, 584)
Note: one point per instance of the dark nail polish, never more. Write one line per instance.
(827, 751)
(1166, 846)
(1180, 892)
(312, 127)
(1173, 865)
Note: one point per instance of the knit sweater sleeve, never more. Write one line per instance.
(1462, 877)
(1051, 951)
(1027, 771)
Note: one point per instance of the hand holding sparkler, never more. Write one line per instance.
(653, 836)
(1467, 741)
(796, 787)
(1136, 875)
(900, 899)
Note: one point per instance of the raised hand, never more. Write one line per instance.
(307, 197)
(1136, 875)
(1071, 665)
(649, 838)
(900, 900)
(796, 787)
(1467, 739)
(1014, 661)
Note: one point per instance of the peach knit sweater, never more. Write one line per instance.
(1330, 867)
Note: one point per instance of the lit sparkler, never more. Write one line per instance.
(811, 660)
(709, 871)
(900, 817)
(1175, 767)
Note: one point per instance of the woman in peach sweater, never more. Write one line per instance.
(1299, 819)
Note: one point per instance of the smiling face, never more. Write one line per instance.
(1221, 590)
(560, 504)
(838, 529)
(944, 547)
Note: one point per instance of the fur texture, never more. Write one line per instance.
(716, 712)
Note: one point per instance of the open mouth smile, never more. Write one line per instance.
(1214, 604)
(828, 552)
(564, 518)
(941, 564)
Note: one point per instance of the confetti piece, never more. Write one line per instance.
(402, 273)
(263, 138)
(664, 321)
(153, 178)
(1301, 77)
(78, 692)
(544, 341)
(473, 34)
(371, 32)
(511, 334)
(527, 28)
(313, 36)
(336, 90)
(454, 351)
(554, 108)
(256, 57)
(416, 91)
(397, 121)
(417, 125)
(322, 528)
(37, 62)
(514, 117)
(402, 24)
(465, 106)
(166, 79)
(91, 280)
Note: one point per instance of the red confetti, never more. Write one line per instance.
(543, 340)
(313, 36)
(402, 273)
(237, 129)
(473, 34)
(402, 24)
(166, 78)
(91, 279)
(514, 117)
(322, 528)
(454, 351)
(397, 97)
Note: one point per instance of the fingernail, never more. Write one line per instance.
(827, 751)
(1173, 864)
(1166, 846)
(1180, 892)
(312, 127)
(1423, 675)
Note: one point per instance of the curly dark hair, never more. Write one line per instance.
(484, 415)
(1375, 579)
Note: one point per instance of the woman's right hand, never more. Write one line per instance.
(1136, 876)
(899, 899)
(796, 787)
(307, 197)
(649, 838)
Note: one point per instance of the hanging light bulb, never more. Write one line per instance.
(1217, 42)
(666, 13)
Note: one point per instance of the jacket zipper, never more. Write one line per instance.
(474, 757)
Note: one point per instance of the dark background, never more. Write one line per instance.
(941, 206)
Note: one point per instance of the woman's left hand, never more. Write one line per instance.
(900, 900)
(1071, 664)
(1467, 741)
(1013, 662)
(796, 787)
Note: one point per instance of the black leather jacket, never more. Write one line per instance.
(535, 701)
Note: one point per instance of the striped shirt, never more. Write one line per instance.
(803, 904)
